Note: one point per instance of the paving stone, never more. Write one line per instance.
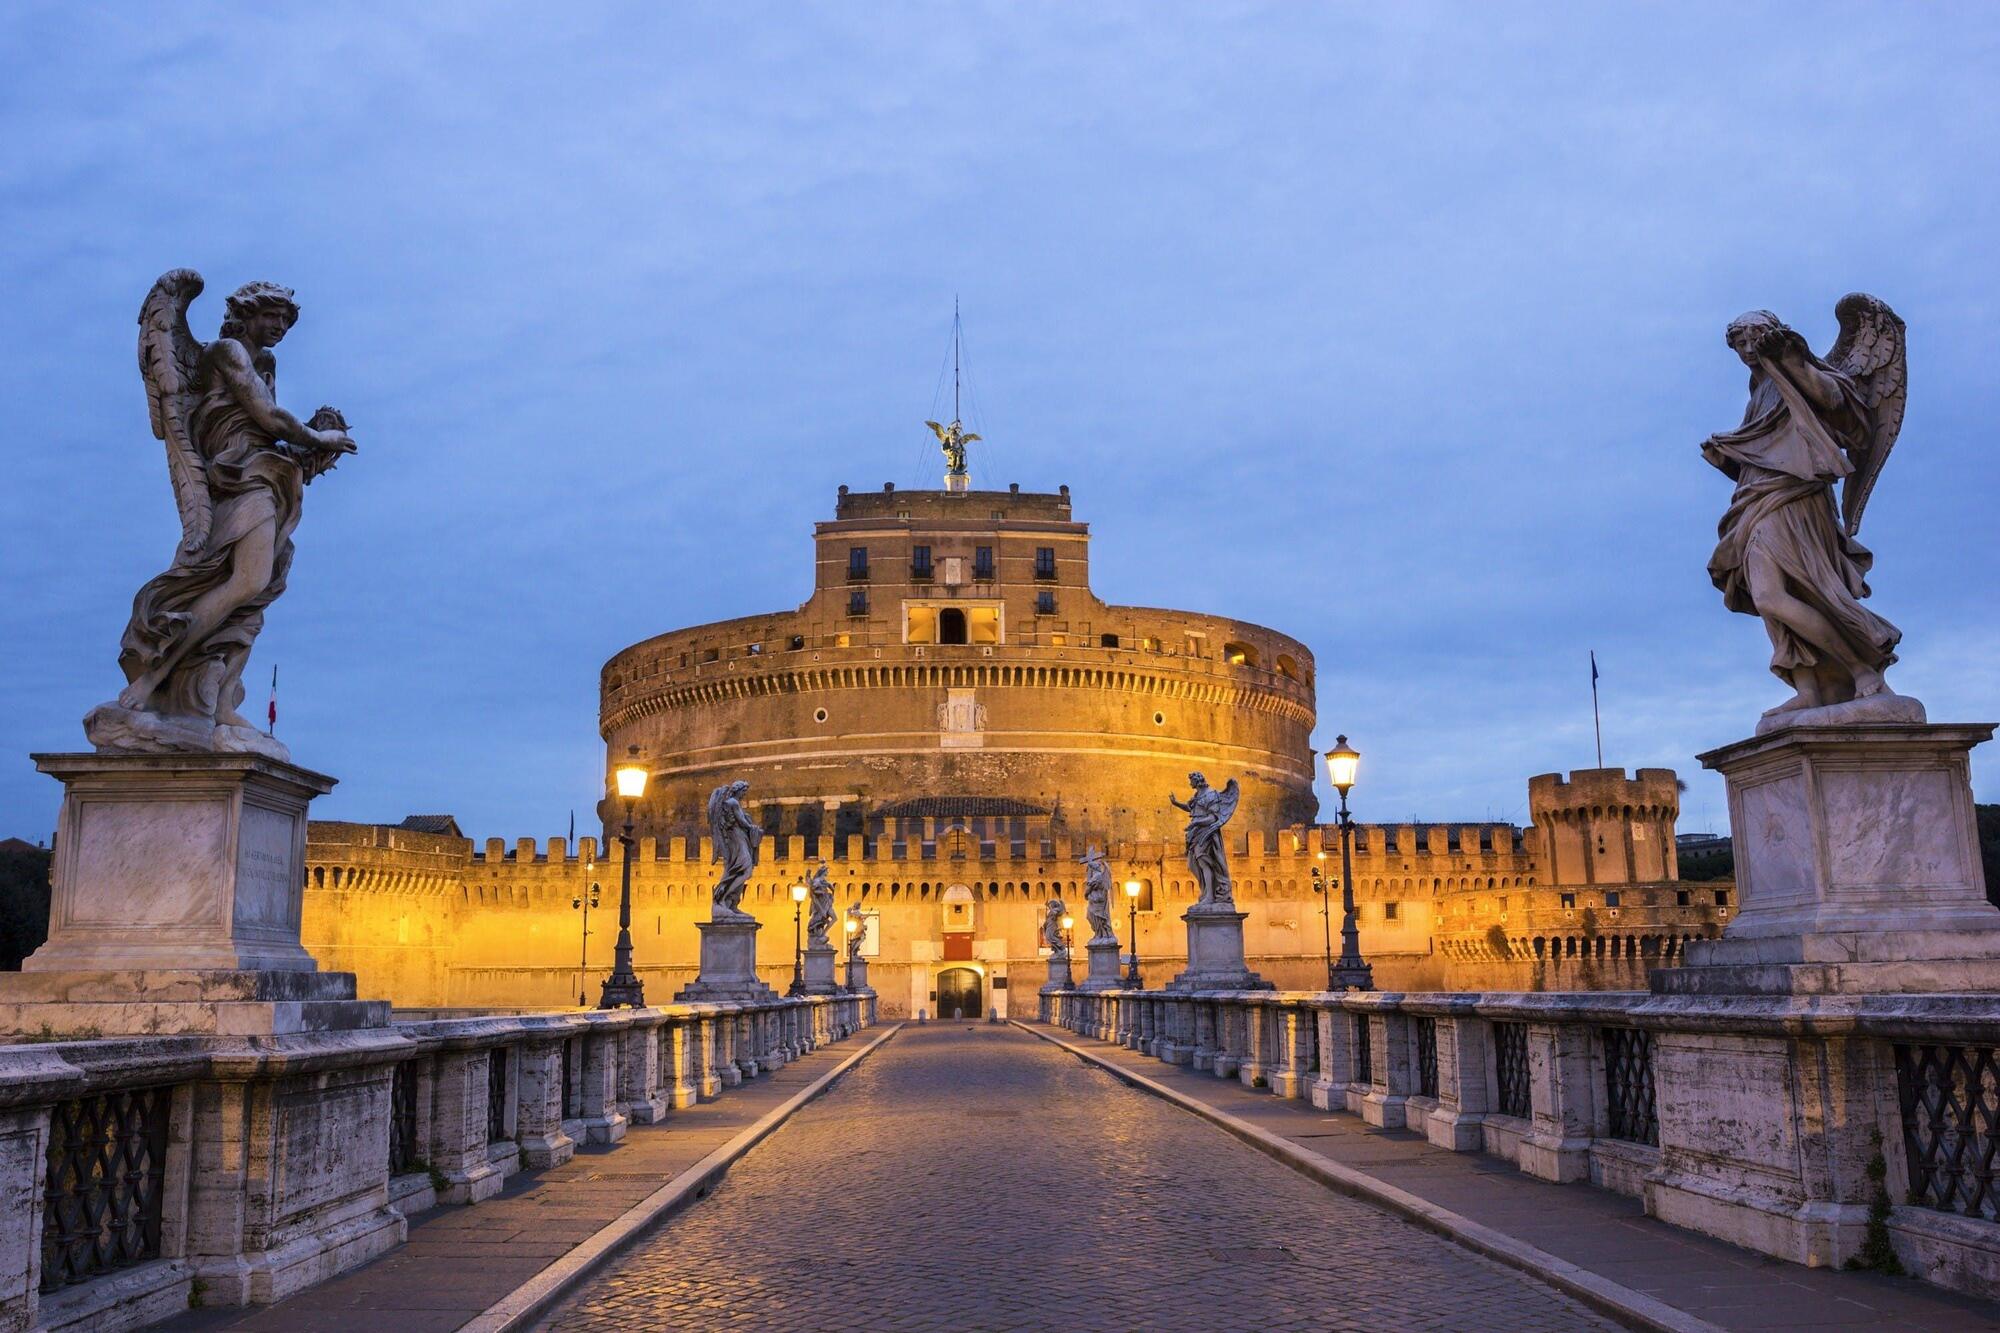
(978, 1179)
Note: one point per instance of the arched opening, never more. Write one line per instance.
(959, 993)
(951, 625)
(1239, 654)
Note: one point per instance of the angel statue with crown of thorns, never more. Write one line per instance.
(1787, 551)
(239, 464)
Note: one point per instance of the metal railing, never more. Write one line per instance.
(104, 1188)
(403, 1087)
(1950, 1099)
(1630, 1104)
(1510, 1069)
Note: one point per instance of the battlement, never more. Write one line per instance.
(1604, 790)
(1014, 503)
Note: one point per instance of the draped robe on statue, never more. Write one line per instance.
(1785, 459)
(252, 480)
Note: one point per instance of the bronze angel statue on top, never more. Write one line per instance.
(239, 464)
(1787, 551)
(952, 439)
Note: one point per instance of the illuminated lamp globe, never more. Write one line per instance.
(1132, 888)
(1342, 761)
(799, 893)
(631, 781)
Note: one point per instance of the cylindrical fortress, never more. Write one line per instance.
(953, 662)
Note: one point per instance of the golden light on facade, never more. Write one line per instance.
(631, 781)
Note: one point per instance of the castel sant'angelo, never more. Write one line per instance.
(947, 723)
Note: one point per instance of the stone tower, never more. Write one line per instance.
(1600, 827)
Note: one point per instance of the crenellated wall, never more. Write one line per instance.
(428, 920)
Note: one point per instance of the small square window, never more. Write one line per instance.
(1569, 902)
(1722, 897)
(797, 642)
(857, 603)
(1611, 897)
(1389, 911)
(1045, 603)
(1681, 897)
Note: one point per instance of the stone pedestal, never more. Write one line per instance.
(1857, 866)
(1104, 972)
(1059, 978)
(177, 888)
(1215, 951)
(857, 975)
(819, 970)
(728, 964)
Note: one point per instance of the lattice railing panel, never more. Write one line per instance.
(105, 1187)
(1951, 1125)
(1628, 1084)
(1427, 1057)
(1364, 1053)
(1510, 1065)
(403, 1154)
(496, 1095)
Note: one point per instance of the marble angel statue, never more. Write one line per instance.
(1787, 550)
(1097, 896)
(820, 920)
(1052, 929)
(1207, 811)
(737, 838)
(239, 465)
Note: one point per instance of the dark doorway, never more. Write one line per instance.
(958, 993)
(951, 625)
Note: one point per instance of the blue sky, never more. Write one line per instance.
(1393, 327)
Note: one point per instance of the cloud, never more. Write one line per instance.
(1395, 330)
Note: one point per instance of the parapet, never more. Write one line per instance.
(1604, 791)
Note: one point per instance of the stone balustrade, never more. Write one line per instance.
(1819, 1129)
(141, 1175)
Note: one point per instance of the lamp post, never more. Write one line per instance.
(853, 927)
(798, 986)
(584, 899)
(622, 989)
(1326, 913)
(1069, 950)
(1351, 972)
(1132, 887)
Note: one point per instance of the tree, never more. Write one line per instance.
(24, 901)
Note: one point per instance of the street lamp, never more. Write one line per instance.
(1132, 887)
(1326, 912)
(622, 989)
(1067, 922)
(1350, 973)
(799, 892)
(585, 899)
(853, 928)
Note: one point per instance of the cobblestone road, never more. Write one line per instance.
(974, 1178)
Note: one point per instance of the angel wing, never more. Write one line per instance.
(1869, 351)
(967, 439)
(1226, 807)
(169, 357)
(936, 429)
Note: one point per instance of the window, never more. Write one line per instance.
(1045, 603)
(982, 563)
(1681, 897)
(1107, 640)
(920, 563)
(857, 602)
(1611, 897)
(711, 654)
(1722, 897)
(797, 642)
(1239, 654)
(1389, 911)
(857, 564)
(1045, 562)
(755, 650)
(1569, 902)
(951, 625)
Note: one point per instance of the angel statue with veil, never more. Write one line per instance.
(1787, 551)
(239, 464)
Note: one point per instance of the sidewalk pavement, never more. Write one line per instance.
(461, 1260)
(1605, 1234)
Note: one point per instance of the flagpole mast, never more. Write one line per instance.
(1596, 722)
